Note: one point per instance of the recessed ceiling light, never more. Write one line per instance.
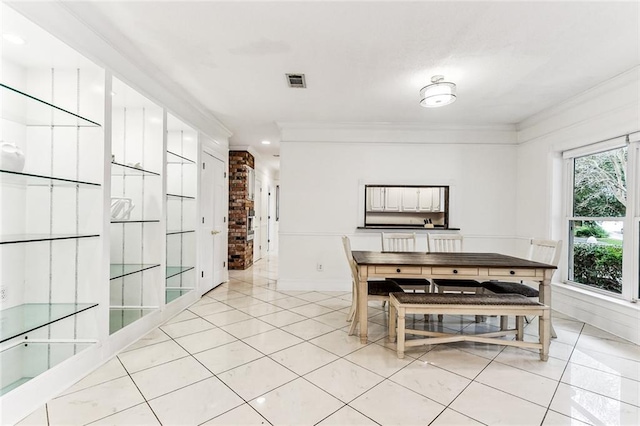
(13, 38)
(266, 142)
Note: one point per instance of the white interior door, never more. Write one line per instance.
(214, 230)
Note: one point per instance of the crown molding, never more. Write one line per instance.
(397, 133)
(609, 95)
(284, 125)
(108, 48)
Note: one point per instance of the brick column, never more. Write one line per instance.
(240, 250)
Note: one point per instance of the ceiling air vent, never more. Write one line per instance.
(296, 81)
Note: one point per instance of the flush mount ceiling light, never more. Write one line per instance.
(438, 94)
(266, 142)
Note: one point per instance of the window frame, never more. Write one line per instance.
(631, 220)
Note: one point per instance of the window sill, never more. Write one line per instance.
(597, 295)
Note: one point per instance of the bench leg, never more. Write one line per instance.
(504, 322)
(401, 332)
(392, 323)
(545, 334)
(519, 327)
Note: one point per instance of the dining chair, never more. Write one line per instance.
(451, 243)
(404, 242)
(377, 289)
(543, 251)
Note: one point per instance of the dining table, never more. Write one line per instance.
(459, 265)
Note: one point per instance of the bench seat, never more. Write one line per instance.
(402, 304)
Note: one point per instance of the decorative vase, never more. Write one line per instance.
(11, 157)
(121, 208)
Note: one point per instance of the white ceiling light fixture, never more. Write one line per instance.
(438, 94)
(266, 142)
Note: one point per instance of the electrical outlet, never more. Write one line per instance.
(320, 267)
(4, 293)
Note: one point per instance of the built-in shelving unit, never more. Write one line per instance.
(181, 189)
(34, 358)
(51, 175)
(34, 238)
(136, 191)
(28, 317)
(118, 169)
(17, 178)
(27, 109)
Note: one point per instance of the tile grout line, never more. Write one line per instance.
(560, 378)
(331, 362)
(332, 310)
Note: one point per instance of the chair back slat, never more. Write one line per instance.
(398, 241)
(445, 243)
(545, 251)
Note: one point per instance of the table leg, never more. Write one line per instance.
(363, 304)
(545, 295)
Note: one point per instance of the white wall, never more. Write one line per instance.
(608, 110)
(322, 192)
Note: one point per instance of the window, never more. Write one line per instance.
(603, 213)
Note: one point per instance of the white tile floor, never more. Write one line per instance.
(247, 354)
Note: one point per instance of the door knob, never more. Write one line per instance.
(215, 232)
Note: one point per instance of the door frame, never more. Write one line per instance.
(203, 235)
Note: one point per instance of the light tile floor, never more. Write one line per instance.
(248, 354)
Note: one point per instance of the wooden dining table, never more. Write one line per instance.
(473, 266)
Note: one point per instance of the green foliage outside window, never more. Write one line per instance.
(598, 265)
(591, 229)
(600, 191)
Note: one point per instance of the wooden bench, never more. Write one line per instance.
(403, 304)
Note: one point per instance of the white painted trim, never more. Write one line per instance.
(97, 40)
(365, 126)
(620, 81)
(616, 316)
(397, 134)
(357, 231)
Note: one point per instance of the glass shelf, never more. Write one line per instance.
(122, 317)
(172, 271)
(118, 169)
(22, 319)
(28, 360)
(31, 238)
(136, 221)
(180, 232)
(172, 294)
(27, 179)
(179, 197)
(173, 158)
(119, 270)
(25, 109)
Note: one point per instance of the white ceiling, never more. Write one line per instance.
(366, 61)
